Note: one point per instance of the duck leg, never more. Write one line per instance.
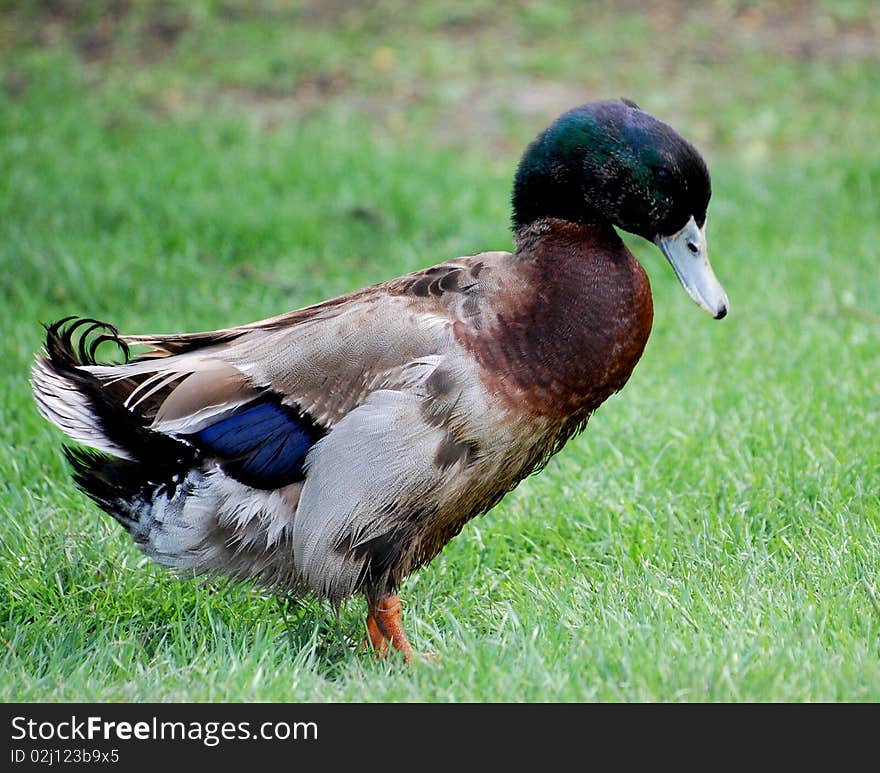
(385, 627)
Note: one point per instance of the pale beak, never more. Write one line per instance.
(686, 251)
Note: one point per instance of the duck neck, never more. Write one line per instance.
(558, 239)
(587, 318)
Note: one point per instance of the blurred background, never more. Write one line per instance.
(754, 77)
(326, 101)
(276, 120)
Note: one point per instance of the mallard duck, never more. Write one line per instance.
(333, 450)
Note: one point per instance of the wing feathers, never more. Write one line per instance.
(216, 388)
(263, 444)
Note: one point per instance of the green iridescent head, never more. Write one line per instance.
(611, 161)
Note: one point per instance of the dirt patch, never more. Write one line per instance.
(99, 31)
(800, 29)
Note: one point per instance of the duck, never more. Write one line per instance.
(331, 451)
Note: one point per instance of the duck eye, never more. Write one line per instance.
(693, 248)
(662, 173)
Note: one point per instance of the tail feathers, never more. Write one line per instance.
(65, 405)
(87, 409)
(64, 352)
(117, 486)
(172, 495)
(144, 501)
(158, 514)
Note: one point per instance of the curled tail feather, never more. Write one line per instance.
(87, 409)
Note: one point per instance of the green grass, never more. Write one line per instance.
(712, 536)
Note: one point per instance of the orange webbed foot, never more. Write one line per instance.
(385, 629)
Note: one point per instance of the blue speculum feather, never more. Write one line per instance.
(264, 445)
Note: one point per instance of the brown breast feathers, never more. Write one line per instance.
(570, 324)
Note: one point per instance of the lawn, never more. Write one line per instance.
(713, 535)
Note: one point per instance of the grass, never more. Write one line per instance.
(712, 536)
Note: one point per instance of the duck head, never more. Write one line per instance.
(610, 162)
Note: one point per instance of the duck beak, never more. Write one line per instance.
(686, 251)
